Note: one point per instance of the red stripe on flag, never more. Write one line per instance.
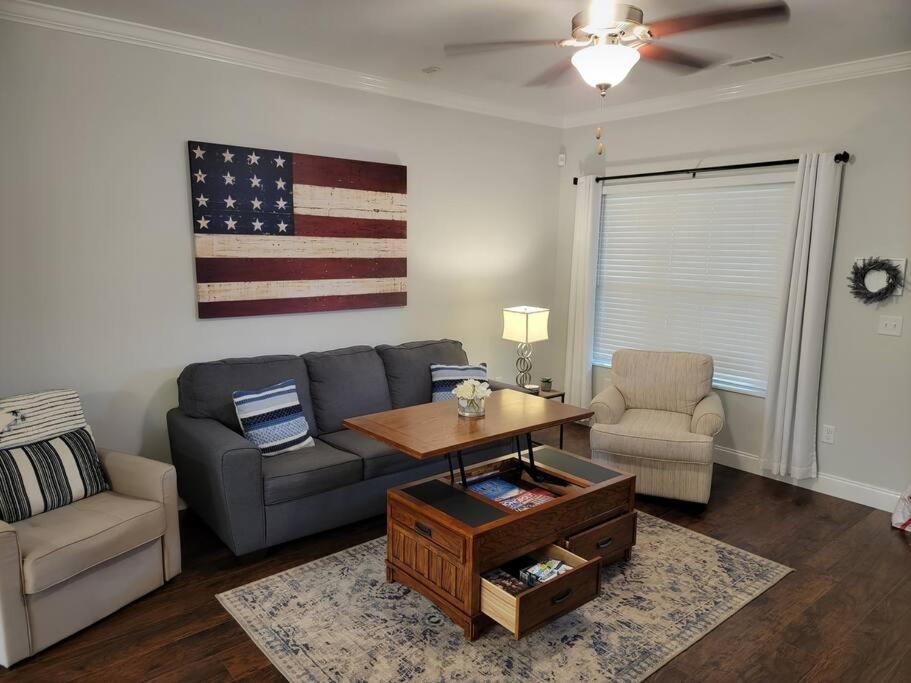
(226, 309)
(354, 175)
(264, 269)
(340, 226)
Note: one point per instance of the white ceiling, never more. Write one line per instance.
(395, 39)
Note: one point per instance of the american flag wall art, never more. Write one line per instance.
(277, 232)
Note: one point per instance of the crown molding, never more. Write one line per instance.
(833, 73)
(96, 26)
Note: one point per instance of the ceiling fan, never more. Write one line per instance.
(614, 36)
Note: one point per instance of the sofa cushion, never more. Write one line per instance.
(204, 389)
(408, 368)
(67, 541)
(655, 380)
(306, 472)
(344, 383)
(379, 459)
(653, 434)
(272, 418)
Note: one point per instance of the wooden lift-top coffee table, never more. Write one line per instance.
(442, 536)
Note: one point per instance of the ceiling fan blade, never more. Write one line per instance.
(771, 11)
(552, 75)
(666, 56)
(455, 49)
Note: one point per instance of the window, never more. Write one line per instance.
(694, 265)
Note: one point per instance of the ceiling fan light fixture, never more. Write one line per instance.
(605, 65)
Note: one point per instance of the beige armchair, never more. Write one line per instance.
(658, 420)
(67, 568)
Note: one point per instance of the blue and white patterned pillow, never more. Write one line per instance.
(445, 378)
(272, 418)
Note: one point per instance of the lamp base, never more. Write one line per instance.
(523, 365)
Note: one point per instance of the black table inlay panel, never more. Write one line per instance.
(565, 462)
(455, 503)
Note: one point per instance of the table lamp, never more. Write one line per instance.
(526, 325)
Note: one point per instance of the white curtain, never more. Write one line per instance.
(789, 433)
(581, 327)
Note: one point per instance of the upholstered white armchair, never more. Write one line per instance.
(658, 420)
(67, 568)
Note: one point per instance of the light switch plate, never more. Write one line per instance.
(890, 325)
(828, 434)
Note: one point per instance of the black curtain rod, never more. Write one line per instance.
(841, 157)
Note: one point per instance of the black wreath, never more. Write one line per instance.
(858, 279)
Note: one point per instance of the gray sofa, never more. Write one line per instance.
(253, 502)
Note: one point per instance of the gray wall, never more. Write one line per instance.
(866, 380)
(96, 259)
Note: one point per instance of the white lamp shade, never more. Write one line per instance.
(525, 324)
(605, 64)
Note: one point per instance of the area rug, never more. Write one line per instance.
(336, 619)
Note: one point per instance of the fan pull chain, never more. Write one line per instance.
(599, 146)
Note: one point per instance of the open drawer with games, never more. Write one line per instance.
(536, 588)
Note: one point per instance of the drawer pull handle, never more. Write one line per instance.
(560, 597)
(421, 529)
(604, 542)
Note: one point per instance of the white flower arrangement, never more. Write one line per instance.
(472, 390)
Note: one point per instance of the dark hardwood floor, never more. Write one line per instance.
(844, 615)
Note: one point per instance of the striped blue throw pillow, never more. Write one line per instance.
(444, 378)
(272, 418)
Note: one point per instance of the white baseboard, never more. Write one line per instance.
(830, 484)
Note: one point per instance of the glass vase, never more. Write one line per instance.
(471, 407)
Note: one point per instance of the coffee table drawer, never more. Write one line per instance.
(422, 525)
(542, 603)
(605, 540)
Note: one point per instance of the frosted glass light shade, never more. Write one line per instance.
(605, 64)
(525, 324)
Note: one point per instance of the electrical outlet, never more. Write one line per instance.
(890, 325)
(828, 434)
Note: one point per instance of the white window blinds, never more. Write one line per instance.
(694, 265)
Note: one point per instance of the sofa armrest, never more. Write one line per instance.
(220, 477)
(609, 406)
(15, 643)
(708, 417)
(496, 385)
(139, 477)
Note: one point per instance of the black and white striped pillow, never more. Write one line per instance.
(38, 477)
(47, 454)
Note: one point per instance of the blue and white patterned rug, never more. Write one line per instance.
(336, 619)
